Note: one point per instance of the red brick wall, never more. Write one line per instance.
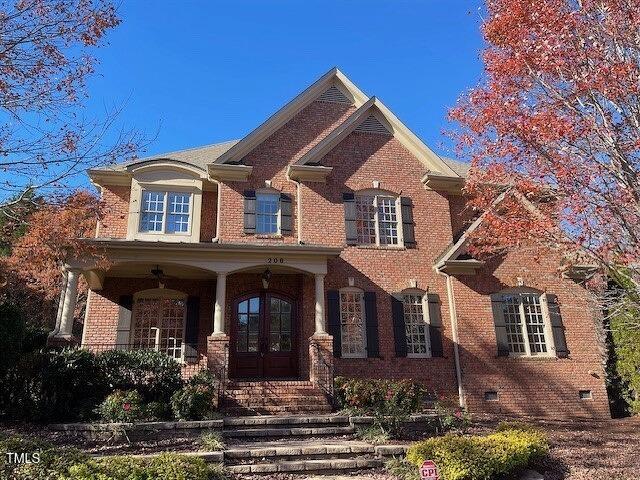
(271, 159)
(208, 216)
(114, 221)
(531, 386)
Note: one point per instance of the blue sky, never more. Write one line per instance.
(191, 73)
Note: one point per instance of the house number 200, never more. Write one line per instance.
(275, 260)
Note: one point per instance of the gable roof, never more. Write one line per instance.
(374, 107)
(333, 78)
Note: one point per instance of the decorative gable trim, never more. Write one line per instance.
(372, 125)
(335, 95)
(374, 107)
(286, 113)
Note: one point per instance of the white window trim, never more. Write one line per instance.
(163, 180)
(382, 193)
(165, 212)
(426, 319)
(364, 353)
(548, 332)
(275, 193)
(155, 294)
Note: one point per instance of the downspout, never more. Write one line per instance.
(216, 239)
(453, 315)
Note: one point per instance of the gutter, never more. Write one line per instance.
(453, 315)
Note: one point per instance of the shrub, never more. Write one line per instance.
(122, 406)
(155, 375)
(389, 402)
(196, 400)
(481, 457)
(60, 385)
(451, 417)
(212, 441)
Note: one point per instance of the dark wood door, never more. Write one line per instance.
(263, 342)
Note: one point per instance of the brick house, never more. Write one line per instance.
(330, 241)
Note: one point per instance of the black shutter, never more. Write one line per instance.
(286, 222)
(371, 319)
(399, 332)
(191, 329)
(350, 227)
(123, 332)
(497, 306)
(557, 326)
(249, 211)
(408, 231)
(333, 316)
(435, 325)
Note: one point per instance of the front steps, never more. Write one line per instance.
(302, 443)
(274, 397)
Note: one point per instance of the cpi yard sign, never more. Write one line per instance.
(429, 471)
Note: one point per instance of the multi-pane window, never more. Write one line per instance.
(165, 212)
(159, 325)
(525, 324)
(248, 325)
(267, 213)
(352, 323)
(416, 326)
(376, 220)
(280, 327)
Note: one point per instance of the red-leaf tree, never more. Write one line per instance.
(555, 127)
(32, 271)
(45, 59)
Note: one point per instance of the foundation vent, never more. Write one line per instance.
(491, 396)
(372, 125)
(334, 95)
(585, 394)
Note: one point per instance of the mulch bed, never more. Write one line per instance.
(580, 450)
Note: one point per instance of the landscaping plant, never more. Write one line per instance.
(510, 449)
(212, 441)
(122, 406)
(196, 400)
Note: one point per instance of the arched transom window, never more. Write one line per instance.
(159, 322)
(416, 321)
(377, 219)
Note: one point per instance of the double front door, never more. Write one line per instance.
(263, 342)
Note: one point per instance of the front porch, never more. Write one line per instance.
(245, 312)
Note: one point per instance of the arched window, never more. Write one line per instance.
(352, 323)
(416, 321)
(159, 321)
(525, 315)
(378, 218)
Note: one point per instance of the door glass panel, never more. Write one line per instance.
(248, 325)
(280, 333)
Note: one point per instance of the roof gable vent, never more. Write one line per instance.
(334, 95)
(372, 125)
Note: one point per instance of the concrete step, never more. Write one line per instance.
(314, 409)
(318, 465)
(287, 431)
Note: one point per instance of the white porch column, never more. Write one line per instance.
(69, 305)
(63, 291)
(221, 294)
(320, 323)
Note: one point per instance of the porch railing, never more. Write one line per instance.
(192, 358)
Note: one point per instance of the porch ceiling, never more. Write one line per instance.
(143, 270)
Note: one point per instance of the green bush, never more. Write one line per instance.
(402, 469)
(54, 385)
(481, 457)
(122, 406)
(389, 402)
(195, 401)
(71, 464)
(155, 375)
(212, 441)
(369, 396)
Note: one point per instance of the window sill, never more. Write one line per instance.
(397, 248)
(526, 358)
(268, 236)
(419, 356)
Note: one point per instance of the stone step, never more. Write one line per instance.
(270, 383)
(285, 420)
(287, 431)
(277, 410)
(319, 465)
